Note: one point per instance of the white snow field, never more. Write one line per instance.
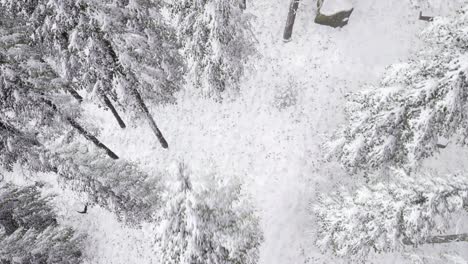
(269, 135)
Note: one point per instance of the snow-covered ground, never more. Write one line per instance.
(270, 135)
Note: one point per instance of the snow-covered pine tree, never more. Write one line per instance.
(122, 49)
(25, 81)
(384, 216)
(418, 105)
(207, 223)
(30, 232)
(216, 40)
(118, 50)
(38, 124)
(32, 95)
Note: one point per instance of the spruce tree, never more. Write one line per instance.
(207, 223)
(384, 216)
(418, 108)
(40, 126)
(217, 40)
(122, 50)
(418, 105)
(30, 231)
(116, 50)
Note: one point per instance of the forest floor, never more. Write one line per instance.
(270, 134)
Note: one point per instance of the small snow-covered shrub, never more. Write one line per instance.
(286, 95)
(207, 223)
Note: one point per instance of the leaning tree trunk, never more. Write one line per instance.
(91, 138)
(293, 6)
(111, 107)
(75, 94)
(106, 100)
(442, 239)
(83, 131)
(243, 4)
(447, 239)
(151, 121)
(136, 94)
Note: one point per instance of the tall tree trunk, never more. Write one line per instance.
(107, 102)
(447, 239)
(91, 138)
(136, 94)
(75, 94)
(441, 239)
(109, 105)
(151, 121)
(83, 131)
(293, 6)
(243, 4)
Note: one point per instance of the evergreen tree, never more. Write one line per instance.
(418, 105)
(121, 49)
(26, 81)
(30, 232)
(216, 40)
(384, 216)
(117, 50)
(37, 117)
(32, 98)
(208, 224)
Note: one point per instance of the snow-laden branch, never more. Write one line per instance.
(387, 215)
(116, 185)
(418, 103)
(30, 232)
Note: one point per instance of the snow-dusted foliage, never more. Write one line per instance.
(27, 82)
(206, 223)
(117, 50)
(37, 117)
(116, 185)
(384, 216)
(29, 231)
(111, 47)
(216, 39)
(418, 105)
